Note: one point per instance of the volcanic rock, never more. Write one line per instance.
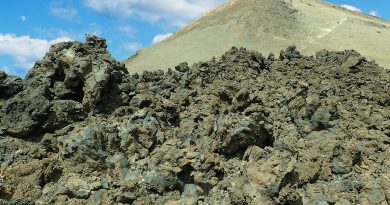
(9, 85)
(239, 129)
(72, 80)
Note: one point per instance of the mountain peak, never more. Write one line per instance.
(269, 26)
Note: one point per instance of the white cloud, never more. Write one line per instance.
(352, 8)
(374, 13)
(64, 13)
(128, 31)
(25, 50)
(161, 37)
(5, 69)
(23, 18)
(177, 12)
(132, 47)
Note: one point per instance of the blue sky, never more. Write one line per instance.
(28, 28)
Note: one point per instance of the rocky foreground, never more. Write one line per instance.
(239, 129)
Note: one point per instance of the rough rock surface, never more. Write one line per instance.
(72, 81)
(9, 85)
(240, 129)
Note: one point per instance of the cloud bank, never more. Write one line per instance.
(161, 37)
(176, 12)
(374, 13)
(25, 50)
(352, 8)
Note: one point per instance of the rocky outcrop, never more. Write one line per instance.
(240, 129)
(9, 85)
(72, 81)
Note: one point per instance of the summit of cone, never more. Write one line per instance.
(269, 26)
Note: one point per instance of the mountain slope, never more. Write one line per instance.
(269, 26)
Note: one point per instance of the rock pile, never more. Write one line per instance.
(240, 129)
(72, 81)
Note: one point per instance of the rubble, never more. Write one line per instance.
(239, 129)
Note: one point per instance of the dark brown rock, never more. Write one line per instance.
(239, 129)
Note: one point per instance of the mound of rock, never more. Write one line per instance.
(72, 81)
(240, 129)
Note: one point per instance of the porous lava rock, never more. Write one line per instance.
(9, 85)
(239, 129)
(72, 81)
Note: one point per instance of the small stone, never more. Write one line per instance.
(342, 164)
(376, 196)
(182, 67)
(118, 159)
(192, 190)
(126, 198)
